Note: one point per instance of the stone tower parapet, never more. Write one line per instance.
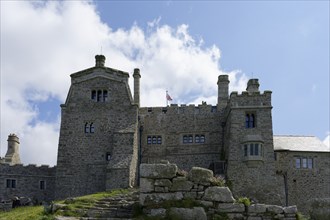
(253, 86)
(12, 156)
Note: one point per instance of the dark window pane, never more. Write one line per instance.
(197, 139)
(13, 183)
(247, 120)
(105, 95)
(251, 122)
(93, 96)
(159, 140)
(154, 140)
(245, 149)
(86, 128)
(185, 139)
(92, 128)
(298, 165)
(42, 184)
(8, 183)
(149, 140)
(202, 139)
(251, 149)
(256, 149)
(190, 138)
(310, 163)
(304, 162)
(99, 95)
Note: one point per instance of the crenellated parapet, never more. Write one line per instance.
(247, 99)
(180, 109)
(30, 169)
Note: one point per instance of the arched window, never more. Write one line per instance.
(91, 128)
(99, 95)
(197, 139)
(252, 121)
(185, 139)
(190, 138)
(86, 128)
(202, 139)
(105, 95)
(154, 140)
(247, 120)
(93, 95)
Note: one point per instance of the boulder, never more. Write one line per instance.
(200, 175)
(181, 184)
(150, 199)
(218, 194)
(231, 207)
(146, 185)
(158, 171)
(274, 209)
(163, 182)
(257, 208)
(196, 213)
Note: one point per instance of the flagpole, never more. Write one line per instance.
(166, 99)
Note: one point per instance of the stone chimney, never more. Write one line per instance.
(12, 156)
(223, 84)
(137, 76)
(253, 86)
(99, 60)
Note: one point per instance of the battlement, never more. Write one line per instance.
(180, 109)
(30, 169)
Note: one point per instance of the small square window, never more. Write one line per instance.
(149, 140)
(185, 139)
(190, 138)
(202, 139)
(310, 163)
(298, 163)
(197, 139)
(159, 140)
(11, 183)
(42, 184)
(154, 140)
(304, 162)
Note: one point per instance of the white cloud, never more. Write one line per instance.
(326, 140)
(42, 43)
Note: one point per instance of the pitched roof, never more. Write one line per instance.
(299, 143)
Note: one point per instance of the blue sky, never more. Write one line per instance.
(283, 43)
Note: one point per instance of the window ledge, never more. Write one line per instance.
(253, 161)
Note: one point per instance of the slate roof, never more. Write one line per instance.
(299, 143)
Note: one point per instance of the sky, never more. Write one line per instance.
(179, 46)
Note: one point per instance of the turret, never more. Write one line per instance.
(12, 156)
(252, 86)
(137, 76)
(99, 60)
(223, 84)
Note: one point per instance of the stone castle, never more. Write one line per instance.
(105, 135)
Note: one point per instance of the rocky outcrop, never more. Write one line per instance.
(168, 194)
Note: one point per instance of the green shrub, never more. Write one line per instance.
(244, 200)
(218, 181)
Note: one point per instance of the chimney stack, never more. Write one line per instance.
(137, 76)
(99, 60)
(223, 85)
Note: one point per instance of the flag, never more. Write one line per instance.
(168, 97)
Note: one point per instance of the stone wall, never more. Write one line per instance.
(27, 182)
(163, 184)
(171, 124)
(304, 184)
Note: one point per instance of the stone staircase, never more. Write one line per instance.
(117, 207)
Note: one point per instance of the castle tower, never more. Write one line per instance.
(223, 83)
(137, 77)
(249, 148)
(12, 156)
(97, 148)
